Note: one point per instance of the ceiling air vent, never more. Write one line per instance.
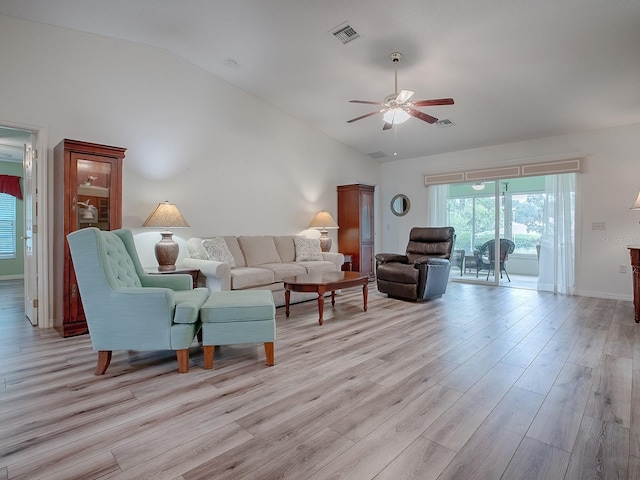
(445, 122)
(345, 33)
(378, 154)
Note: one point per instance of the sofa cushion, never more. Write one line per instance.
(307, 249)
(240, 306)
(284, 270)
(286, 248)
(259, 250)
(236, 251)
(318, 267)
(247, 277)
(218, 251)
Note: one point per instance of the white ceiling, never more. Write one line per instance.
(517, 69)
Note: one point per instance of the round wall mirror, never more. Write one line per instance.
(400, 205)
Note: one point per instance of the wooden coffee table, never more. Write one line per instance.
(321, 283)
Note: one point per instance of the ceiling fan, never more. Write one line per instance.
(397, 108)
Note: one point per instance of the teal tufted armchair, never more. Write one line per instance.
(126, 308)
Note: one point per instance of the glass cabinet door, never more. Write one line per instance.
(366, 217)
(93, 193)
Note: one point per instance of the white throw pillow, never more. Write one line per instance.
(218, 251)
(307, 249)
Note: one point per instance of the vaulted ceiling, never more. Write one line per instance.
(517, 69)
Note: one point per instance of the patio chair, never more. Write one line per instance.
(485, 257)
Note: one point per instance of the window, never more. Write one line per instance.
(7, 226)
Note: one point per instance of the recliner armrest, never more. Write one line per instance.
(391, 257)
(431, 261)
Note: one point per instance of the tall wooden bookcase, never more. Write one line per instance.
(355, 219)
(87, 193)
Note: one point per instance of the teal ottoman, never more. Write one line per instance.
(240, 316)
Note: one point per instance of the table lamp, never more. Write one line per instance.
(166, 215)
(323, 221)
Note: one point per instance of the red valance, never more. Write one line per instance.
(10, 184)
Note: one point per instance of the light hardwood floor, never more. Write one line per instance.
(484, 383)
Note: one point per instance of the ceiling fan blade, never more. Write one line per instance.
(387, 126)
(365, 101)
(363, 116)
(429, 103)
(404, 95)
(421, 115)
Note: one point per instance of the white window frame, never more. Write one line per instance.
(8, 248)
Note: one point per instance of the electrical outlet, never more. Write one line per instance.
(598, 226)
(622, 269)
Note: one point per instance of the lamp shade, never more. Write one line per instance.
(636, 205)
(166, 215)
(323, 221)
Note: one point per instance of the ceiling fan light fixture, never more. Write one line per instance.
(396, 116)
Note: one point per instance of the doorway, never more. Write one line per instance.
(512, 221)
(19, 147)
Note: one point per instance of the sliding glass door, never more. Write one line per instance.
(501, 219)
(474, 212)
(532, 217)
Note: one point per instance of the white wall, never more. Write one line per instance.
(606, 189)
(232, 164)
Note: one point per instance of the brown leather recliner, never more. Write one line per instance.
(423, 272)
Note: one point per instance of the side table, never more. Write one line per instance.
(347, 266)
(194, 272)
(470, 263)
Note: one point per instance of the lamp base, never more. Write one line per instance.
(325, 241)
(166, 252)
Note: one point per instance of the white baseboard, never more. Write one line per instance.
(606, 296)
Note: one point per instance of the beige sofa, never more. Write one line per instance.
(258, 262)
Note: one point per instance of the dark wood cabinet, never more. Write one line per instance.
(87, 192)
(356, 233)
